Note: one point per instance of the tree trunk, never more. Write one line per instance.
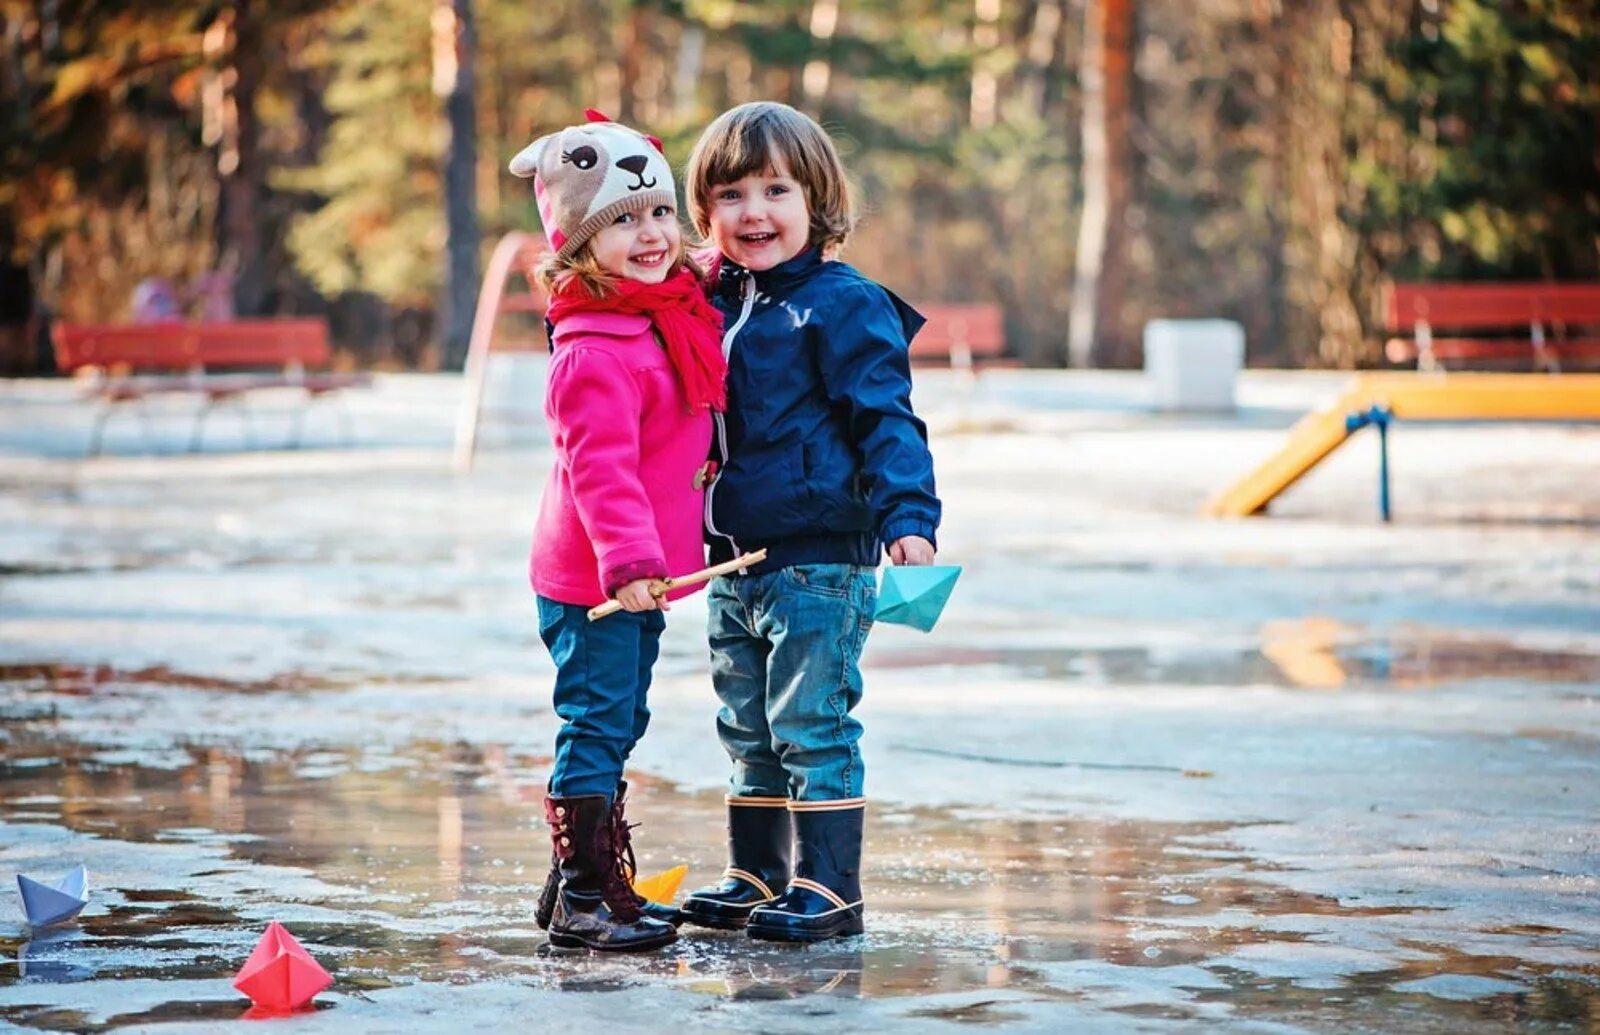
(819, 70)
(239, 164)
(633, 40)
(686, 71)
(460, 164)
(1095, 335)
(983, 102)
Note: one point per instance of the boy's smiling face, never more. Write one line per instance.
(762, 220)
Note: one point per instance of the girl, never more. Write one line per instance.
(636, 368)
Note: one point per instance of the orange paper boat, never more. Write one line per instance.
(661, 887)
(280, 975)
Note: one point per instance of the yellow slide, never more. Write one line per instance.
(1411, 397)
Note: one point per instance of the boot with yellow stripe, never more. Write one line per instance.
(760, 854)
(823, 899)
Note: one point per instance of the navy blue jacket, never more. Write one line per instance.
(821, 459)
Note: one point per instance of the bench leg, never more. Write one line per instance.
(199, 431)
(347, 421)
(347, 424)
(198, 437)
(99, 428)
(146, 425)
(298, 425)
(249, 424)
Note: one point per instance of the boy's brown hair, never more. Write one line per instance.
(754, 138)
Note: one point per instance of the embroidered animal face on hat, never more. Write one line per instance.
(585, 176)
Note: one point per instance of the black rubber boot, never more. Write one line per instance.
(594, 904)
(760, 857)
(824, 898)
(622, 831)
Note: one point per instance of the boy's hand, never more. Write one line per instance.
(911, 549)
(643, 595)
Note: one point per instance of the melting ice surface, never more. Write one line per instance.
(1150, 773)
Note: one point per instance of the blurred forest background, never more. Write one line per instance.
(1089, 164)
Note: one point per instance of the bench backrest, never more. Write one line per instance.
(182, 346)
(976, 330)
(1475, 306)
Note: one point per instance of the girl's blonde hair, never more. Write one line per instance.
(555, 275)
(756, 138)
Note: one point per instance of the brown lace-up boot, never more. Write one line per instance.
(595, 907)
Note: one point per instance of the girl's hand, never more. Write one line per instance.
(911, 549)
(642, 595)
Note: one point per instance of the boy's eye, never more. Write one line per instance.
(626, 217)
(662, 210)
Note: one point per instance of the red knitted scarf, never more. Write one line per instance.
(689, 326)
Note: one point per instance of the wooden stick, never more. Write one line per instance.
(660, 586)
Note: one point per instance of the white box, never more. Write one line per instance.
(1193, 364)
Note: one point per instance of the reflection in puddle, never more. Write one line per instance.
(1311, 653)
(427, 871)
(88, 680)
(420, 863)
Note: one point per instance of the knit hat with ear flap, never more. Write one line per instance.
(585, 176)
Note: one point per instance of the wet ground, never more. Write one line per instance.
(1152, 773)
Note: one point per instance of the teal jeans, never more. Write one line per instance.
(785, 662)
(602, 681)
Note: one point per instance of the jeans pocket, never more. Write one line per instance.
(827, 579)
(551, 613)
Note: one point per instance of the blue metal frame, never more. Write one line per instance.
(1381, 416)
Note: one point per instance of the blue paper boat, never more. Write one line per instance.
(915, 594)
(47, 904)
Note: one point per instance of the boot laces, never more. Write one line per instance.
(627, 864)
(615, 882)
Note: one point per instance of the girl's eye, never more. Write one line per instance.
(728, 195)
(777, 189)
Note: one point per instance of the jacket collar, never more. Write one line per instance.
(616, 325)
(730, 275)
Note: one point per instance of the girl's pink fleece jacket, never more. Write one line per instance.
(621, 502)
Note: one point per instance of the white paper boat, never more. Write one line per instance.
(47, 904)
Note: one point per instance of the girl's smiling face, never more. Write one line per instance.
(641, 246)
(761, 220)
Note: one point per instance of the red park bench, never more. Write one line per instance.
(222, 361)
(968, 337)
(1534, 323)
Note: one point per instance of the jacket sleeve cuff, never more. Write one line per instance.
(899, 528)
(615, 578)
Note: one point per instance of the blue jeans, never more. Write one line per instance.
(602, 677)
(785, 653)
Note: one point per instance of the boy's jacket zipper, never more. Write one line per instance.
(748, 295)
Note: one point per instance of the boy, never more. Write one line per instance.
(819, 459)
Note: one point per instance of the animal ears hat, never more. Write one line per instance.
(585, 176)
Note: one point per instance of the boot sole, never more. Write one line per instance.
(572, 941)
(856, 925)
(715, 921)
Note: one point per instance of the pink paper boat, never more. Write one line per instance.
(280, 975)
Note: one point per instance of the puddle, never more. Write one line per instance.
(1310, 655)
(91, 680)
(422, 865)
